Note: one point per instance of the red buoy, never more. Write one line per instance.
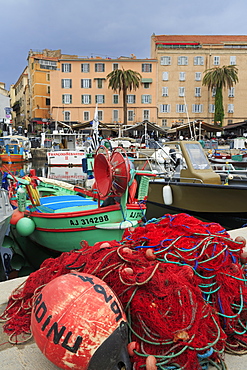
(16, 216)
(78, 323)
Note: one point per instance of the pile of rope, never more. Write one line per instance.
(181, 283)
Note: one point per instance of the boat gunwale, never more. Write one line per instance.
(198, 184)
(88, 212)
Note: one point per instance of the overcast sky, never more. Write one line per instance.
(109, 28)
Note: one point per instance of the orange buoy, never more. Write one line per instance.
(77, 322)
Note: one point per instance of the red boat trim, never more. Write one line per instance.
(85, 213)
(136, 206)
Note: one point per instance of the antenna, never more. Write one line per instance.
(188, 119)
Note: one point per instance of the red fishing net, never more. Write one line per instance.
(181, 284)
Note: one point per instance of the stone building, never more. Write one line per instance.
(182, 61)
(80, 84)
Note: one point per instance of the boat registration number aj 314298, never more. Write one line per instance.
(88, 221)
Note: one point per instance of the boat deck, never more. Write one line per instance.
(65, 203)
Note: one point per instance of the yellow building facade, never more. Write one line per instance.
(40, 66)
(181, 63)
(80, 84)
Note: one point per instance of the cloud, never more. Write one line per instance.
(105, 28)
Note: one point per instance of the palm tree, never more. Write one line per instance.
(219, 78)
(119, 79)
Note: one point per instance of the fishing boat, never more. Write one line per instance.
(65, 149)
(58, 216)
(188, 184)
(236, 158)
(15, 149)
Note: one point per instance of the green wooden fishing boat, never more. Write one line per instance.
(59, 216)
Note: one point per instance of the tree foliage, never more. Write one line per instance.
(124, 80)
(219, 78)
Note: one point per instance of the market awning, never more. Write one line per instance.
(198, 125)
(235, 125)
(145, 125)
(39, 121)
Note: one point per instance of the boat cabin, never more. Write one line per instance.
(191, 163)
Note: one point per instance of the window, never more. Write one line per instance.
(213, 91)
(216, 61)
(231, 92)
(181, 76)
(66, 99)
(48, 89)
(100, 115)
(211, 108)
(232, 60)
(115, 66)
(164, 91)
(99, 67)
(198, 76)
(181, 91)
(86, 99)
(115, 99)
(146, 99)
(146, 114)
(165, 61)
(146, 67)
(182, 61)
(197, 91)
(164, 122)
(66, 83)
(197, 108)
(86, 83)
(131, 99)
(165, 108)
(99, 83)
(86, 116)
(47, 101)
(180, 108)
(198, 61)
(115, 115)
(230, 108)
(146, 85)
(48, 77)
(85, 68)
(100, 99)
(66, 115)
(130, 115)
(165, 76)
(66, 67)
(47, 64)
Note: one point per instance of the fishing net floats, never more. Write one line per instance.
(182, 284)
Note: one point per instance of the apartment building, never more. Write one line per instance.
(181, 63)
(40, 65)
(20, 100)
(80, 84)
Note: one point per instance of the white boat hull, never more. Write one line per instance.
(65, 158)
